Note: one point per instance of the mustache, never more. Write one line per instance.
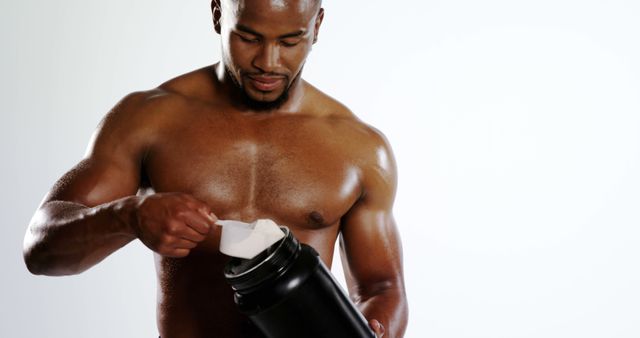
(263, 74)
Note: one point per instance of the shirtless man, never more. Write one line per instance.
(243, 139)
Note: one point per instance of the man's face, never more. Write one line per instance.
(265, 44)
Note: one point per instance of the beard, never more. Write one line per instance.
(259, 105)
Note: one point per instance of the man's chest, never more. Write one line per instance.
(291, 171)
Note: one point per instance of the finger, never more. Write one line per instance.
(196, 221)
(377, 327)
(183, 244)
(202, 208)
(177, 230)
(178, 253)
(208, 215)
(180, 229)
(189, 234)
(171, 241)
(212, 218)
(173, 252)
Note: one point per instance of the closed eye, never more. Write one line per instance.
(248, 39)
(290, 42)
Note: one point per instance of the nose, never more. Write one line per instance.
(268, 58)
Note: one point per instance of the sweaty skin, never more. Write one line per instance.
(164, 164)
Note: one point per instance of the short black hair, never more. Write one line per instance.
(213, 2)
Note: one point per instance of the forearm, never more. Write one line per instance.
(66, 238)
(387, 305)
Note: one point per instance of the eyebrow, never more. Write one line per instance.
(283, 36)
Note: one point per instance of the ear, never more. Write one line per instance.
(215, 10)
(319, 18)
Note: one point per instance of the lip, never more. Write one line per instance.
(266, 83)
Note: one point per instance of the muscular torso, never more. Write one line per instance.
(299, 169)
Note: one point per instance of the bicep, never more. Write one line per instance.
(370, 238)
(94, 181)
(111, 168)
(372, 249)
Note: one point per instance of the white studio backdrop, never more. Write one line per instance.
(516, 127)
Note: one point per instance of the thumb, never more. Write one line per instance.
(377, 327)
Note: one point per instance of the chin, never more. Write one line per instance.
(265, 98)
(265, 101)
(262, 104)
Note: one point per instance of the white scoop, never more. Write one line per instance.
(246, 240)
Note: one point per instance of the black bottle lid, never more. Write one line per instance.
(246, 274)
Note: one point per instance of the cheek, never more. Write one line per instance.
(295, 57)
(238, 54)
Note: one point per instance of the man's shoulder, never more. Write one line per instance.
(143, 107)
(370, 145)
(173, 95)
(363, 141)
(141, 117)
(348, 122)
(199, 84)
(368, 148)
(324, 105)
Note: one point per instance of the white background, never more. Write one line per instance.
(516, 126)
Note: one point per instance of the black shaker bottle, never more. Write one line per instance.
(288, 292)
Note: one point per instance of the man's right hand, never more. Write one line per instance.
(171, 224)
